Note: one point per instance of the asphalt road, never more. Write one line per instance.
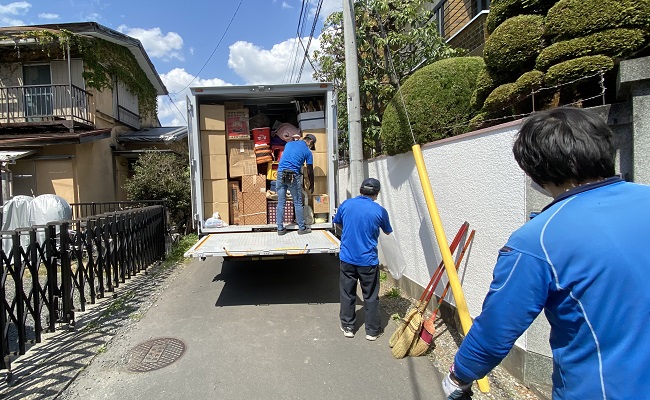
(252, 330)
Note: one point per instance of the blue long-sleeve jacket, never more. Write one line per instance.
(585, 261)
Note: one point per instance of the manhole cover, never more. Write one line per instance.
(155, 354)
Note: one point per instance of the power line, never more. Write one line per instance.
(311, 36)
(301, 21)
(216, 47)
(177, 109)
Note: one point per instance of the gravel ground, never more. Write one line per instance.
(446, 340)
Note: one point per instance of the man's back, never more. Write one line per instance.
(361, 218)
(295, 154)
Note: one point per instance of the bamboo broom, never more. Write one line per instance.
(404, 322)
(422, 343)
(411, 329)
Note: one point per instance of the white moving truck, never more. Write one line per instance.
(232, 160)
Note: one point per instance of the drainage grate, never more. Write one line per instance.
(155, 354)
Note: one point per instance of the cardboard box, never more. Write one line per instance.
(311, 120)
(234, 200)
(272, 171)
(320, 164)
(320, 203)
(321, 139)
(253, 208)
(272, 211)
(241, 158)
(214, 167)
(237, 124)
(253, 184)
(212, 117)
(222, 208)
(213, 142)
(320, 185)
(233, 105)
(215, 191)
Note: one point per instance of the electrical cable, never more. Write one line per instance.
(291, 65)
(311, 36)
(216, 47)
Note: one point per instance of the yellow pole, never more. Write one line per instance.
(454, 282)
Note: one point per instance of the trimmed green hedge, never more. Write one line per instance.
(577, 68)
(569, 19)
(437, 97)
(510, 94)
(514, 45)
(485, 84)
(501, 10)
(613, 43)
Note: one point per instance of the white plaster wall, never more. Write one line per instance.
(474, 178)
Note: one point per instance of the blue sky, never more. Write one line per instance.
(180, 36)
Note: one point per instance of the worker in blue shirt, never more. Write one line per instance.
(360, 219)
(584, 260)
(294, 156)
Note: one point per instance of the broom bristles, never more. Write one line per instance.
(424, 340)
(402, 325)
(405, 341)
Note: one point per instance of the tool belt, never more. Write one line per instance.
(289, 176)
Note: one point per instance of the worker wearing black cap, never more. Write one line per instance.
(360, 219)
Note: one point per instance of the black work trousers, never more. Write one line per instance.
(368, 278)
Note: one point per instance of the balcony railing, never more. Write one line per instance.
(42, 103)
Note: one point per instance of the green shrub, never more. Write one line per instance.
(514, 45)
(531, 80)
(501, 10)
(501, 97)
(577, 68)
(613, 43)
(485, 84)
(478, 121)
(569, 19)
(437, 97)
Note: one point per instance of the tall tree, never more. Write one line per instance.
(407, 29)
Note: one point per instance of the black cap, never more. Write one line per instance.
(370, 186)
(313, 140)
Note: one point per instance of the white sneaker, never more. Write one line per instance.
(372, 338)
(347, 331)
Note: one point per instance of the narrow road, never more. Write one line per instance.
(253, 330)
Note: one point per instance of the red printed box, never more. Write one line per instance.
(272, 210)
(237, 124)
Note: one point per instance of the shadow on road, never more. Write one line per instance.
(304, 279)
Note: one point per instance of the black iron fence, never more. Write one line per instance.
(47, 273)
(84, 210)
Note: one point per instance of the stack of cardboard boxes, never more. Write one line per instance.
(213, 154)
(319, 201)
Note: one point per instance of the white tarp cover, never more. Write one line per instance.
(15, 214)
(47, 208)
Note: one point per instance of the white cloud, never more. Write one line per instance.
(93, 17)
(286, 5)
(176, 82)
(16, 8)
(328, 7)
(281, 64)
(48, 16)
(11, 9)
(165, 47)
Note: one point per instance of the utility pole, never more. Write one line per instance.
(354, 112)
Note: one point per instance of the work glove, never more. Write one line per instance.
(455, 389)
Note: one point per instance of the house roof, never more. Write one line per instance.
(43, 139)
(160, 134)
(13, 155)
(94, 29)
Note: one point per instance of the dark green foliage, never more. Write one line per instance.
(437, 98)
(514, 45)
(163, 176)
(613, 43)
(501, 10)
(501, 97)
(478, 121)
(485, 84)
(577, 68)
(531, 80)
(569, 19)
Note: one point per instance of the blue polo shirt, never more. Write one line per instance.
(295, 154)
(361, 219)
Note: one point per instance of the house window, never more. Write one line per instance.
(37, 80)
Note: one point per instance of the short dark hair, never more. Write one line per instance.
(565, 144)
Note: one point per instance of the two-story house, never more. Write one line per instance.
(68, 93)
(462, 23)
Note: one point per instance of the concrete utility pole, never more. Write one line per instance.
(354, 112)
